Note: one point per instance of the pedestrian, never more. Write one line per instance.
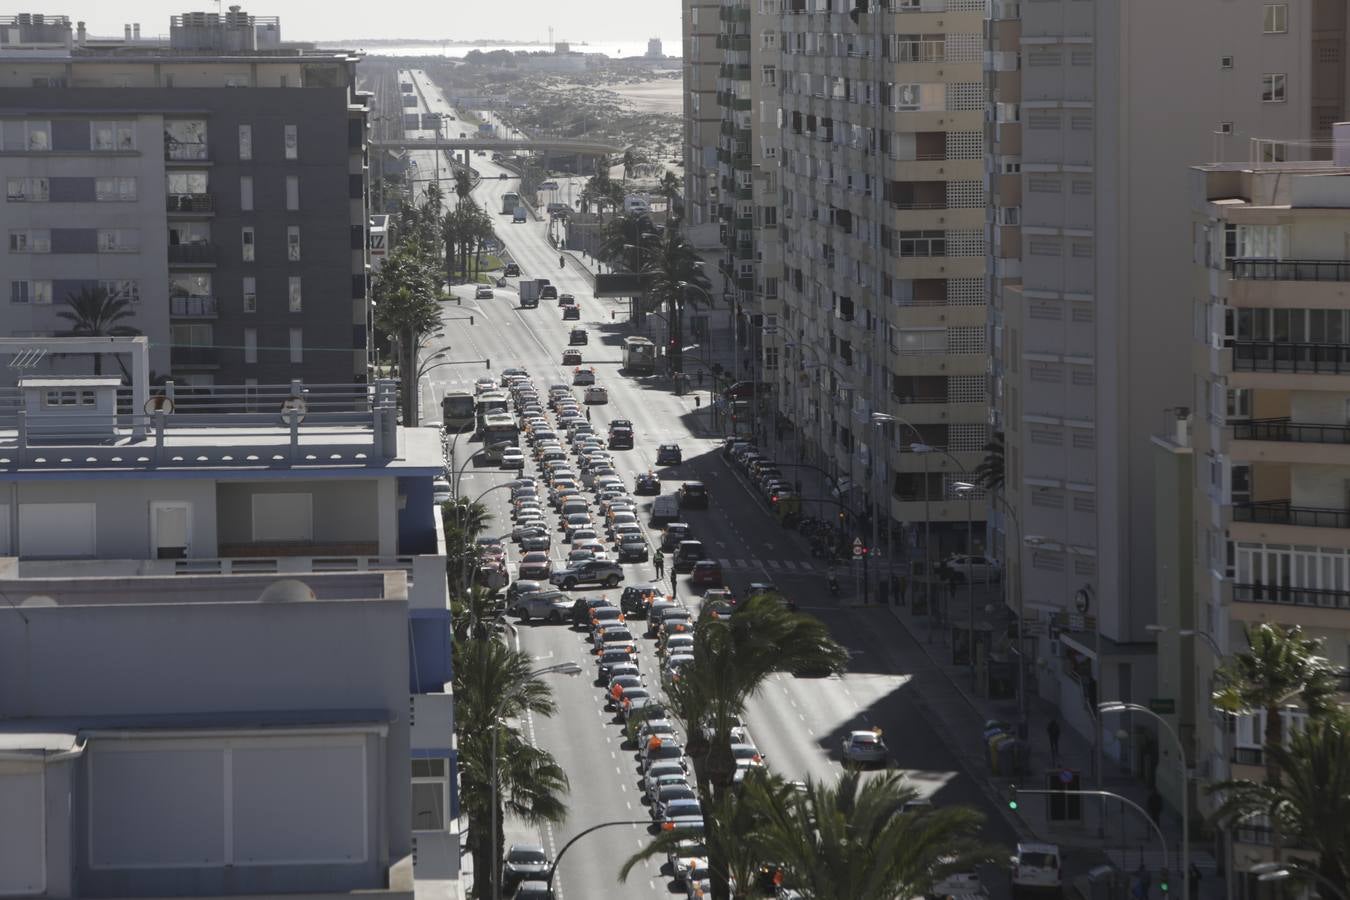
(660, 565)
(1052, 732)
(1155, 806)
(588, 414)
(1193, 872)
(698, 401)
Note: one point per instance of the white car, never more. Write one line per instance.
(513, 458)
(979, 569)
(597, 395)
(865, 747)
(440, 491)
(1035, 867)
(583, 376)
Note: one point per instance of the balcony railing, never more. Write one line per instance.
(190, 203)
(1282, 512)
(1249, 756)
(1292, 269)
(179, 151)
(1290, 356)
(193, 307)
(193, 254)
(1285, 430)
(1282, 594)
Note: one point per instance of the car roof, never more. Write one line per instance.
(864, 735)
(693, 484)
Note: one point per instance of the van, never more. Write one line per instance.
(687, 554)
(518, 216)
(665, 509)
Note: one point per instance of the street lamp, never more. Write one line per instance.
(926, 449)
(1007, 579)
(1117, 706)
(967, 488)
(567, 668)
(1277, 871)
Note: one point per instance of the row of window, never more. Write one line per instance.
(178, 184)
(184, 139)
(187, 292)
(202, 334)
(103, 240)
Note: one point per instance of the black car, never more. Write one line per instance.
(647, 484)
(635, 598)
(571, 313)
(578, 336)
(669, 455)
(621, 439)
(693, 495)
(634, 549)
(581, 610)
(512, 270)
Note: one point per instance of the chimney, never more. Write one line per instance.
(79, 32)
(126, 32)
(136, 31)
(1340, 141)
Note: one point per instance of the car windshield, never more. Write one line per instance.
(527, 855)
(1037, 859)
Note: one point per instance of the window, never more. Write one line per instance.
(293, 243)
(1225, 62)
(110, 189)
(1225, 128)
(250, 294)
(245, 142)
(769, 76)
(122, 289)
(1277, 18)
(27, 190)
(185, 183)
(430, 794)
(247, 243)
(1272, 151)
(183, 284)
(293, 293)
(185, 139)
(1239, 403)
(1273, 88)
(292, 142)
(297, 345)
(250, 345)
(112, 136)
(38, 293)
(20, 136)
(246, 193)
(34, 240)
(292, 192)
(119, 240)
(922, 341)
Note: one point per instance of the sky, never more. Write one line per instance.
(512, 20)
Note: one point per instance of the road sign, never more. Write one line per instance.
(858, 549)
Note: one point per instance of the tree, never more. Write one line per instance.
(405, 292)
(1311, 802)
(733, 657)
(989, 473)
(671, 188)
(856, 839)
(494, 683)
(1280, 664)
(463, 184)
(94, 312)
(621, 233)
(674, 265)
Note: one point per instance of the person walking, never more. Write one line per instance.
(1052, 732)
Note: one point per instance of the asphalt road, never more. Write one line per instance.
(798, 723)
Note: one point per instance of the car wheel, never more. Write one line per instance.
(569, 584)
(612, 581)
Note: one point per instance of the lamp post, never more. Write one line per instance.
(1277, 871)
(967, 488)
(567, 668)
(1007, 578)
(1116, 706)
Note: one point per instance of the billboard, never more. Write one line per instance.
(623, 284)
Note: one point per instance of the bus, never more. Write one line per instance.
(499, 428)
(488, 403)
(639, 356)
(457, 410)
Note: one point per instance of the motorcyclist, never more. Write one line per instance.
(562, 261)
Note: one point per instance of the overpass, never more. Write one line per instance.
(501, 145)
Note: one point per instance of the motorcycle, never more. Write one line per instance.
(562, 262)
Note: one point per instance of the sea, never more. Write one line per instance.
(613, 49)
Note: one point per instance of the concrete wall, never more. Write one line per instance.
(344, 511)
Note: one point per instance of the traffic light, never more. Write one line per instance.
(1162, 882)
(1012, 796)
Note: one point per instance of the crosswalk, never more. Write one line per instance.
(772, 565)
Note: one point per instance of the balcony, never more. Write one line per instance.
(1284, 595)
(193, 307)
(1291, 357)
(1282, 512)
(178, 151)
(1285, 430)
(190, 203)
(202, 254)
(1291, 269)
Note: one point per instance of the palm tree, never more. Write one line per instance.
(1312, 800)
(405, 293)
(463, 184)
(94, 312)
(622, 232)
(856, 839)
(675, 264)
(630, 162)
(989, 473)
(493, 682)
(671, 187)
(733, 657)
(1280, 664)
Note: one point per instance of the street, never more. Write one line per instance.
(797, 723)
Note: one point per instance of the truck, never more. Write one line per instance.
(529, 292)
(520, 215)
(510, 200)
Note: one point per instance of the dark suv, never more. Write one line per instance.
(693, 495)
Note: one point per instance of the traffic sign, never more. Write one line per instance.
(858, 548)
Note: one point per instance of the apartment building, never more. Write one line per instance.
(1270, 353)
(1095, 116)
(205, 736)
(883, 289)
(702, 119)
(215, 180)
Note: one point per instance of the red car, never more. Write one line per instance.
(706, 573)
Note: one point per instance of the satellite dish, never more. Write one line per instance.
(287, 590)
(159, 403)
(294, 406)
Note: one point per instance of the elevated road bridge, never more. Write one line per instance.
(502, 145)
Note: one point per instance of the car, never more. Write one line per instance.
(664, 751)
(534, 890)
(595, 571)
(524, 862)
(677, 645)
(621, 439)
(697, 879)
(669, 455)
(513, 458)
(483, 385)
(620, 423)
(693, 495)
(571, 357)
(1036, 869)
(571, 314)
(647, 484)
(597, 395)
(527, 530)
(706, 573)
(617, 684)
(512, 270)
(633, 548)
(578, 336)
(482, 292)
(581, 376)
(747, 756)
(660, 727)
(567, 300)
(440, 491)
(688, 553)
(551, 606)
(636, 599)
(535, 565)
(537, 541)
(512, 372)
(979, 569)
(863, 747)
(652, 774)
(681, 814)
(669, 793)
